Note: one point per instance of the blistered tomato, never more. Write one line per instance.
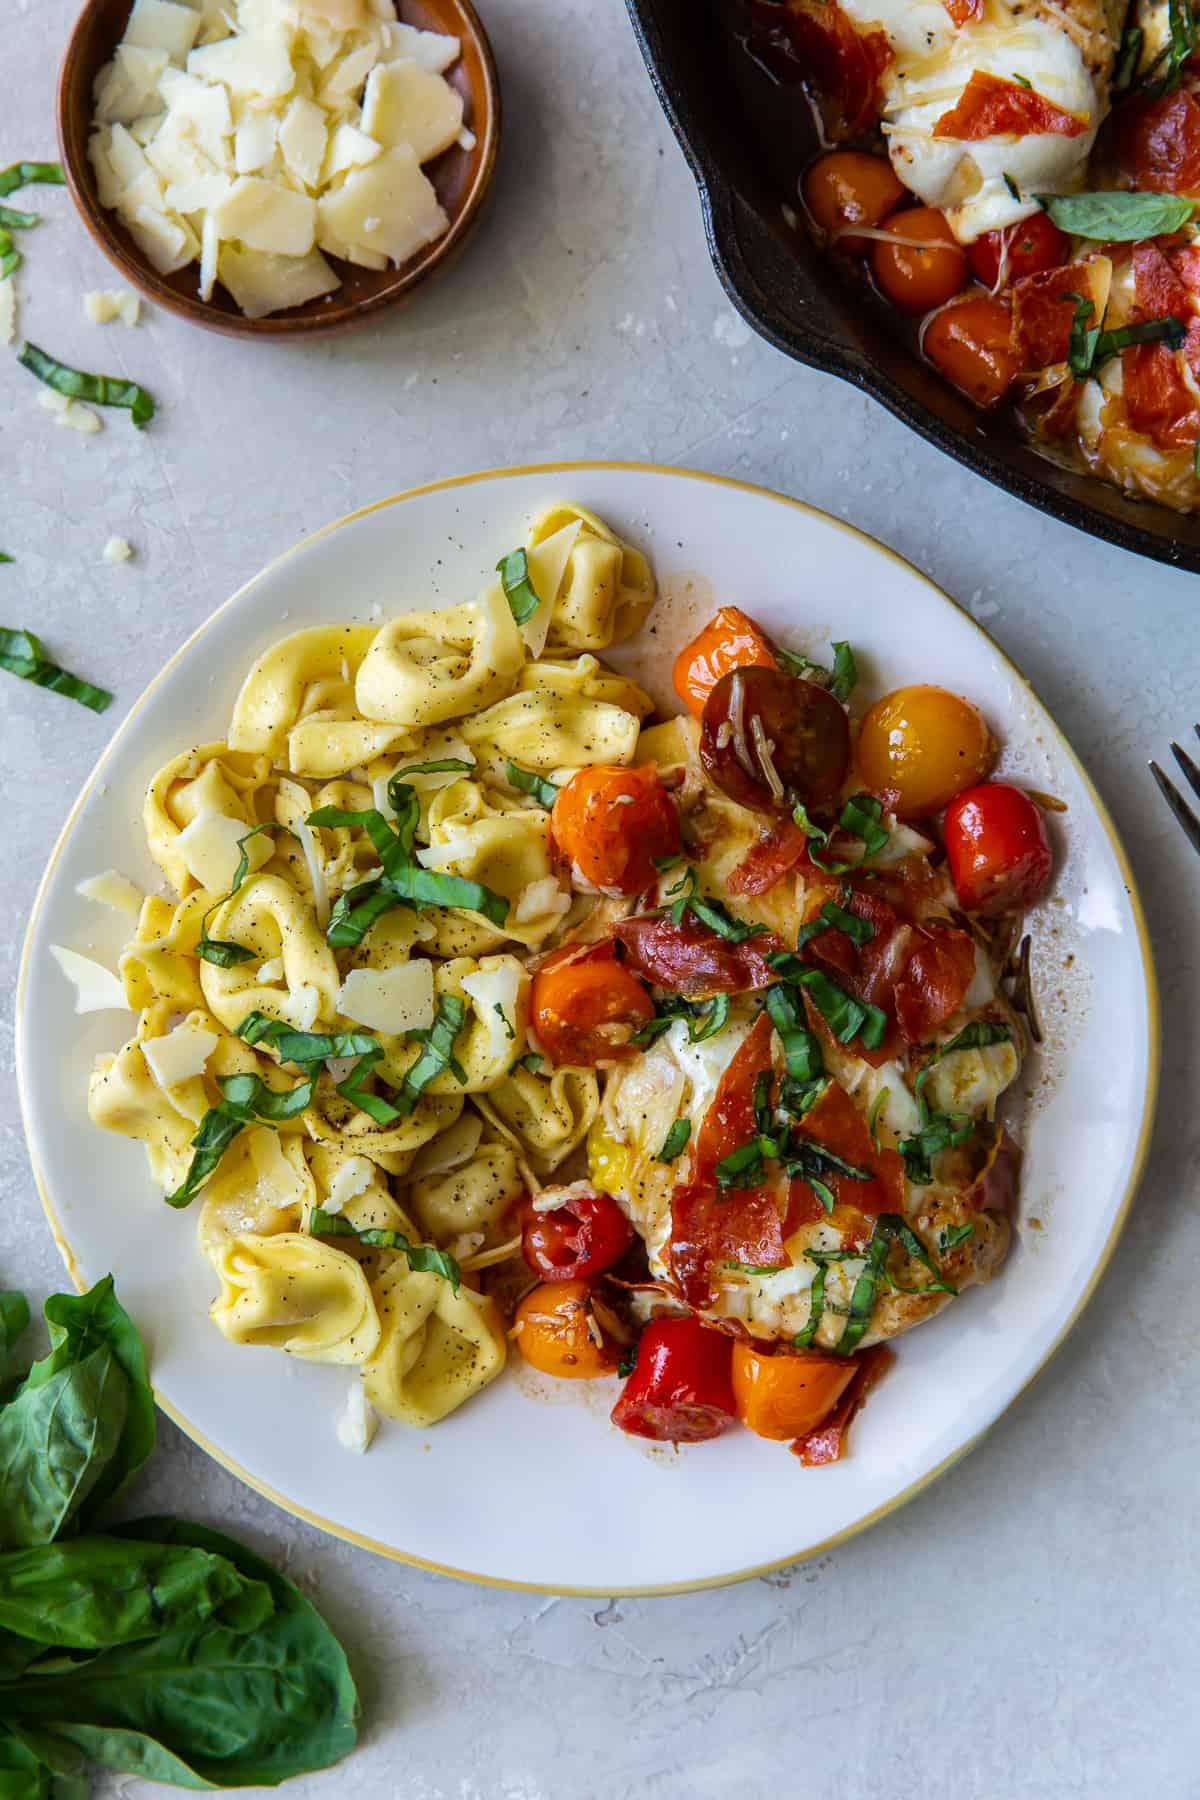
(1026, 248)
(924, 267)
(997, 848)
(730, 640)
(970, 341)
(848, 187)
(557, 1331)
(680, 1391)
(585, 1012)
(580, 1239)
(769, 739)
(788, 1395)
(610, 824)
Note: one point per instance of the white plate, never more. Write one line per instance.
(536, 1488)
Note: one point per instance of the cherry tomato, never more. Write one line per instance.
(997, 848)
(680, 1391)
(612, 823)
(911, 276)
(1032, 245)
(848, 187)
(556, 1331)
(730, 640)
(926, 744)
(970, 341)
(586, 1012)
(800, 727)
(789, 1395)
(581, 1238)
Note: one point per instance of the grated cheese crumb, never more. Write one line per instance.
(357, 1421)
(118, 550)
(102, 306)
(72, 413)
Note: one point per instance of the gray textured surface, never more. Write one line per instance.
(1026, 1627)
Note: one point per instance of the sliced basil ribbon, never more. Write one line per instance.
(30, 174)
(940, 1131)
(423, 1259)
(519, 590)
(101, 390)
(841, 680)
(527, 781)
(245, 1100)
(303, 1047)
(712, 913)
(845, 1016)
(675, 1142)
(1089, 346)
(24, 655)
(224, 955)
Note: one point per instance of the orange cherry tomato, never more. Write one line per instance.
(788, 1395)
(848, 187)
(612, 823)
(586, 1012)
(556, 1331)
(970, 341)
(730, 640)
(912, 276)
(925, 744)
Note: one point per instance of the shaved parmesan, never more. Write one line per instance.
(405, 104)
(271, 970)
(353, 1178)
(428, 48)
(257, 66)
(118, 550)
(390, 1000)
(265, 216)
(348, 75)
(179, 1056)
(160, 25)
(166, 245)
(295, 798)
(254, 143)
(547, 567)
(349, 148)
(127, 86)
(263, 284)
(8, 311)
(112, 890)
(103, 306)
(541, 898)
(451, 1148)
(210, 250)
(499, 994)
(97, 989)
(357, 1421)
(210, 849)
(71, 413)
(308, 1005)
(394, 194)
(302, 139)
(341, 15)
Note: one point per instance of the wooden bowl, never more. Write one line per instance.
(461, 178)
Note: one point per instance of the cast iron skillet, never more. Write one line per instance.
(796, 298)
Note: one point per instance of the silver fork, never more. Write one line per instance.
(1174, 799)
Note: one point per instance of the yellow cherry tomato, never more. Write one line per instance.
(926, 745)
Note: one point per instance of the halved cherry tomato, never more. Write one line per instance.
(788, 1395)
(1026, 248)
(582, 1238)
(997, 848)
(586, 1012)
(970, 341)
(612, 823)
(556, 1331)
(680, 1390)
(800, 730)
(926, 744)
(730, 640)
(911, 275)
(849, 187)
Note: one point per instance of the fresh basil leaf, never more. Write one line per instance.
(212, 950)
(806, 1156)
(12, 220)
(799, 1097)
(824, 1194)
(862, 1297)
(816, 1308)
(845, 1016)
(845, 672)
(757, 1268)
(245, 1100)
(14, 1318)
(10, 262)
(437, 765)
(203, 1704)
(423, 1259)
(675, 1142)
(217, 1131)
(81, 1424)
(1022, 81)
(519, 590)
(1119, 217)
(939, 1131)
(531, 1061)
(303, 1047)
(404, 881)
(24, 655)
(861, 817)
(831, 917)
(664, 864)
(30, 174)
(840, 680)
(527, 781)
(712, 913)
(794, 662)
(354, 1089)
(100, 390)
(954, 1235)
(1089, 347)
(742, 1167)
(355, 911)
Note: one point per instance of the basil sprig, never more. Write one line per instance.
(423, 1259)
(712, 913)
(1089, 346)
(245, 1100)
(528, 781)
(101, 390)
(675, 1142)
(940, 1131)
(861, 817)
(23, 654)
(403, 882)
(30, 174)
(1118, 218)
(222, 954)
(519, 590)
(841, 680)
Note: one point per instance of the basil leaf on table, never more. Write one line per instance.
(24, 655)
(81, 1424)
(77, 384)
(30, 174)
(1119, 217)
(202, 1704)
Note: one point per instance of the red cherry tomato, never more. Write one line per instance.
(681, 1389)
(997, 848)
(612, 823)
(581, 1238)
(1034, 245)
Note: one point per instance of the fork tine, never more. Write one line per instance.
(1191, 770)
(1179, 806)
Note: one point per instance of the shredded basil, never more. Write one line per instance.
(519, 590)
(861, 817)
(23, 654)
(712, 913)
(12, 220)
(101, 390)
(1089, 347)
(954, 1235)
(835, 917)
(840, 680)
(801, 1046)
(30, 174)
(437, 1054)
(423, 1259)
(245, 1100)
(213, 950)
(1012, 187)
(664, 864)
(709, 1019)
(940, 1131)
(675, 1142)
(354, 1089)
(531, 1061)
(303, 1047)
(757, 1268)
(845, 1016)
(1023, 81)
(529, 782)
(705, 1018)
(1118, 217)
(816, 1307)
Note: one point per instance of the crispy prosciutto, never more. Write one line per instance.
(845, 63)
(782, 850)
(990, 106)
(693, 960)
(1158, 142)
(918, 973)
(1158, 399)
(828, 1441)
(1043, 311)
(836, 1124)
(712, 1226)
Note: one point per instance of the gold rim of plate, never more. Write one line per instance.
(1148, 1103)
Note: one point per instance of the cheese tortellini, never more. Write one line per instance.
(333, 1055)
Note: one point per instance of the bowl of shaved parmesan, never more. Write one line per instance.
(285, 167)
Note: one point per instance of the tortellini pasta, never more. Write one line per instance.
(346, 1147)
